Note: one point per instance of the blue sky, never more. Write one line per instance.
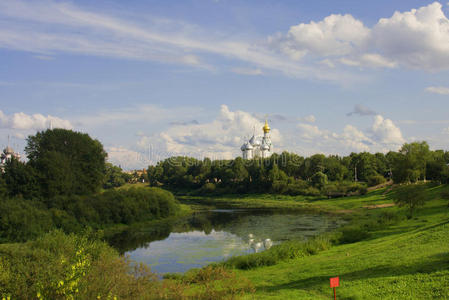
(151, 79)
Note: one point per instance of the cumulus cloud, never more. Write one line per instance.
(382, 136)
(22, 121)
(362, 110)
(418, 39)
(386, 132)
(351, 139)
(334, 35)
(220, 138)
(438, 90)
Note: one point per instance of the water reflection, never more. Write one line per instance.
(212, 236)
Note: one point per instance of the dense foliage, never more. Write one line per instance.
(21, 219)
(289, 173)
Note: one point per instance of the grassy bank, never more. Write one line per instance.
(306, 203)
(397, 258)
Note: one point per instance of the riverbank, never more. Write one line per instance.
(399, 259)
(298, 203)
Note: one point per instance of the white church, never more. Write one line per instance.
(8, 154)
(258, 146)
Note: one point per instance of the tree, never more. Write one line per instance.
(20, 179)
(114, 176)
(414, 161)
(411, 196)
(67, 162)
(319, 180)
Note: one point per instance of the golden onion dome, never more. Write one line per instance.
(266, 128)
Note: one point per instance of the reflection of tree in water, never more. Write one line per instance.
(275, 224)
(139, 236)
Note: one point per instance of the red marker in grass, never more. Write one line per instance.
(335, 281)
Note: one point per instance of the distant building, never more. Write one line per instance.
(7, 154)
(258, 146)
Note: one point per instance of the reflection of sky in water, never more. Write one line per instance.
(182, 251)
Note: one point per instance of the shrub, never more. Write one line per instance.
(207, 188)
(21, 220)
(375, 180)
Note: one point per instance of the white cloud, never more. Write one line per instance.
(381, 137)
(308, 131)
(386, 132)
(368, 60)
(334, 35)
(22, 121)
(418, 38)
(438, 90)
(125, 158)
(355, 139)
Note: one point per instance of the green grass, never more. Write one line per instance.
(400, 258)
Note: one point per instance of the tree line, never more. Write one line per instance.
(290, 173)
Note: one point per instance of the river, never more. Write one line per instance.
(214, 235)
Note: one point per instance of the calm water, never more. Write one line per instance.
(215, 235)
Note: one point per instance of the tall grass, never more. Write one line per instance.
(277, 253)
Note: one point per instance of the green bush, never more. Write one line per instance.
(375, 180)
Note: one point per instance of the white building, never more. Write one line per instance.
(8, 154)
(258, 146)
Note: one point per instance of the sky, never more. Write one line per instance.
(154, 79)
